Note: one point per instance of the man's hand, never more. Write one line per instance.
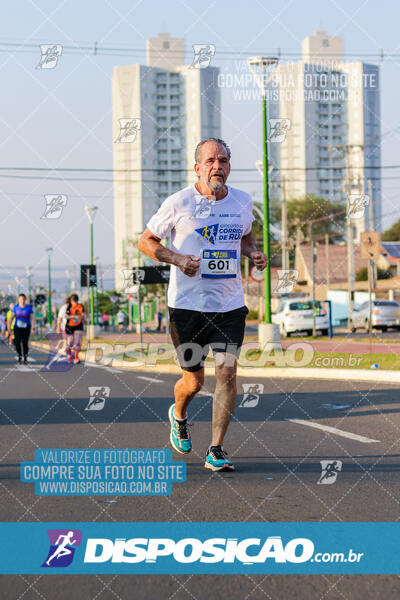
(189, 264)
(259, 259)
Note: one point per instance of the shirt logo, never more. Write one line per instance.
(208, 233)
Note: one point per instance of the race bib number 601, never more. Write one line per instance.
(218, 264)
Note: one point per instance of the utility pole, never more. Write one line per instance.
(285, 257)
(68, 274)
(49, 314)
(371, 206)
(314, 259)
(328, 277)
(350, 265)
(29, 274)
(371, 227)
(348, 185)
(91, 213)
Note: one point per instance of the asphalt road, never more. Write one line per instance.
(276, 452)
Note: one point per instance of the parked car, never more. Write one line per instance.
(384, 314)
(296, 314)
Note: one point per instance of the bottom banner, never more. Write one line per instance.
(199, 548)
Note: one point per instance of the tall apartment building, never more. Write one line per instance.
(160, 112)
(333, 113)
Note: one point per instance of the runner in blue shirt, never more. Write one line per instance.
(23, 323)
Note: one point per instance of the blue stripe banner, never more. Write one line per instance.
(199, 548)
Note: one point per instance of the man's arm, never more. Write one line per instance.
(150, 245)
(9, 321)
(249, 248)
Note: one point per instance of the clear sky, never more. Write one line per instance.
(61, 118)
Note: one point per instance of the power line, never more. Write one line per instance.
(179, 170)
(144, 181)
(95, 49)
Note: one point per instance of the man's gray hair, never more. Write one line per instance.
(197, 152)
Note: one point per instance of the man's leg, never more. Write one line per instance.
(69, 345)
(224, 396)
(25, 338)
(17, 342)
(77, 345)
(226, 330)
(185, 390)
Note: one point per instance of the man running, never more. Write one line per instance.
(210, 226)
(121, 320)
(74, 328)
(62, 322)
(23, 315)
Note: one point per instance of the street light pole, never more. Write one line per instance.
(91, 213)
(262, 68)
(18, 282)
(29, 274)
(49, 319)
(266, 236)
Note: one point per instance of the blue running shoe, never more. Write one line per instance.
(216, 460)
(180, 436)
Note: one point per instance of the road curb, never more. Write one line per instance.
(271, 372)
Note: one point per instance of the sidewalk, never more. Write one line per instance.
(382, 376)
(336, 344)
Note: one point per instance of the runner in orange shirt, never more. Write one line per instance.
(74, 328)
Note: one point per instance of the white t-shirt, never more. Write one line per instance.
(211, 230)
(61, 315)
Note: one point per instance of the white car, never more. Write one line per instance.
(296, 314)
(384, 313)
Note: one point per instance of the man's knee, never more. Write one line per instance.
(193, 382)
(225, 372)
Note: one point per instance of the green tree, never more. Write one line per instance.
(105, 305)
(392, 234)
(362, 274)
(316, 215)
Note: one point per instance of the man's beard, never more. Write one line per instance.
(216, 184)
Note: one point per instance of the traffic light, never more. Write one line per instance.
(88, 271)
(39, 299)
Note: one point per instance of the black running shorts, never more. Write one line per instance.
(194, 332)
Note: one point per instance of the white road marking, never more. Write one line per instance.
(24, 368)
(201, 393)
(150, 379)
(93, 366)
(346, 434)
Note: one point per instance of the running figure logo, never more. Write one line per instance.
(278, 129)
(131, 278)
(208, 233)
(128, 129)
(203, 205)
(97, 397)
(330, 470)
(57, 360)
(203, 54)
(357, 204)
(55, 204)
(63, 543)
(287, 279)
(251, 394)
(50, 55)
